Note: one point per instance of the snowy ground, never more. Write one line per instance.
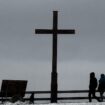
(23, 103)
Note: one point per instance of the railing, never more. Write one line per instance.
(67, 97)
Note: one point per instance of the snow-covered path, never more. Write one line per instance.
(22, 103)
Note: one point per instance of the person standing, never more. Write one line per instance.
(92, 87)
(101, 87)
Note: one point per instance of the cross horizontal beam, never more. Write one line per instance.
(59, 31)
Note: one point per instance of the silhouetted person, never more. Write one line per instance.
(32, 98)
(101, 87)
(92, 87)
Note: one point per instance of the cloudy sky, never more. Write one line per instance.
(28, 56)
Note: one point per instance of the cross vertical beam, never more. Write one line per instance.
(54, 84)
(54, 31)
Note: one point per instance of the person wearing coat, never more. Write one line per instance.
(101, 87)
(92, 87)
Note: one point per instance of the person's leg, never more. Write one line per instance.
(101, 95)
(89, 95)
(94, 96)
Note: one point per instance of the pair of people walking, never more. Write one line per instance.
(93, 85)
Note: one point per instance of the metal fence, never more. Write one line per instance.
(43, 95)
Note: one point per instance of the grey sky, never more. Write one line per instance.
(24, 55)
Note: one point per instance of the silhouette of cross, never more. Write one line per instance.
(54, 31)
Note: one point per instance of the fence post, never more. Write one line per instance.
(32, 98)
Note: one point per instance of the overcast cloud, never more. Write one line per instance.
(25, 55)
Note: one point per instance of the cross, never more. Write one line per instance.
(54, 31)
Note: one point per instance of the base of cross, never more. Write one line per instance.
(54, 87)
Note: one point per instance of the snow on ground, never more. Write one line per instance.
(23, 103)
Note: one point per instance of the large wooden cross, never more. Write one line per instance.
(54, 31)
